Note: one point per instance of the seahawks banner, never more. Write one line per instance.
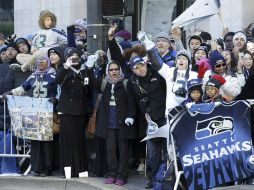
(31, 118)
(214, 143)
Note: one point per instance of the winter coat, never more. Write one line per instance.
(247, 91)
(103, 113)
(75, 91)
(232, 86)
(149, 93)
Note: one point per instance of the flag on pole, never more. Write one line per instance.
(198, 11)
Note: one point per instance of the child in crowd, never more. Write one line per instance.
(212, 89)
(200, 53)
(195, 92)
(46, 38)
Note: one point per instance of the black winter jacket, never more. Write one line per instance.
(150, 94)
(103, 113)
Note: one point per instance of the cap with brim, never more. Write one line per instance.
(194, 83)
(134, 61)
(213, 82)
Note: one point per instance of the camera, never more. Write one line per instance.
(181, 92)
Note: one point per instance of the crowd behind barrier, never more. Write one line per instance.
(153, 77)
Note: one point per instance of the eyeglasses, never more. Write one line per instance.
(117, 69)
(220, 65)
(42, 61)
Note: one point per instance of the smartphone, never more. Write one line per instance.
(241, 55)
(75, 59)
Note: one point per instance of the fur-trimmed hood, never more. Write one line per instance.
(43, 15)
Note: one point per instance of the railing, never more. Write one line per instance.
(21, 145)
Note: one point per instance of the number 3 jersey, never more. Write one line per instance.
(48, 38)
(42, 85)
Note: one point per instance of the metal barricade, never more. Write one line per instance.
(21, 145)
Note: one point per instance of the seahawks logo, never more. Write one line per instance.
(214, 126)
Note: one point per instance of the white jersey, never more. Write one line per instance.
(167, 73)
(48, 38)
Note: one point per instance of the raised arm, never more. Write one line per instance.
(114, 49)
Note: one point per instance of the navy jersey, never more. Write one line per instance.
(213, 143)
(42, 85)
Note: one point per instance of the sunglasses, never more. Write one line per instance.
(220, 65)
(114, 69)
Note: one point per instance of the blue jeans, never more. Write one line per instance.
(155, 149)
(7, 164)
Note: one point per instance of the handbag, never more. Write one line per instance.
(91, 125)
(56, 123)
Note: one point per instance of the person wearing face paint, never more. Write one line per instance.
(49, 36)
(42, 83)
(233, 84)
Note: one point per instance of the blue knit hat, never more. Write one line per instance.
(215, 57)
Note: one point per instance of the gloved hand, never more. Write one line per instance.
(53, 100)
(143, 38)
(91, 59)
(4, 96)
(201, 70)
(129, 121)
(70, 61)
(71, 28)
(219, 78)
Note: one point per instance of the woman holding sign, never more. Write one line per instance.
(43, 85)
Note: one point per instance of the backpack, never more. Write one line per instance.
(165, 177)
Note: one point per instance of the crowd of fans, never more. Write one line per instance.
(133, 78)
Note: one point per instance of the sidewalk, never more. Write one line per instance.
(135, 182)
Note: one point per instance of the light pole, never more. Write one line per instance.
(97, 27)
